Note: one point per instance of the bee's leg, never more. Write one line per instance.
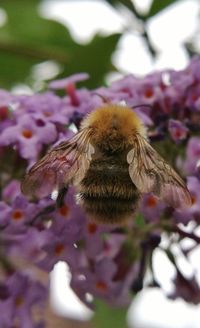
(51, 208)
(61, 195)
(47, 210)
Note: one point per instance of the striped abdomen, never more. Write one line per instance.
(107, 193)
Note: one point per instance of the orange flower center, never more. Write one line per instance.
(148, 93)
(64, 210)
(101, 285)
(27, 134)
(92, 228)
(59, 248)
(193, 199)
(178, 133)
(17, 215)
(151, 201)
(195, 96)
(3, 113)
(19, 301)
(47, 114)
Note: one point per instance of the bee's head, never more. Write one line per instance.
(113, 124)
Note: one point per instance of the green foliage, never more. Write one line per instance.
(107, 316)
(94, 58)
(27, 39)
(127, 3)
(158, 6)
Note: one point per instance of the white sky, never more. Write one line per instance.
(168, 31)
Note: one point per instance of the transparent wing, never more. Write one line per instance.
(64, 164)
(151, 173)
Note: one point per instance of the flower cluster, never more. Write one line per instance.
(107, 262)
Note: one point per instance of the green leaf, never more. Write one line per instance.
(158, 5)
(93, 58)
(27, 39)
(128, 4)
(107, 316)
(14, 69)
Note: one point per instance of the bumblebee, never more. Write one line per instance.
(111, 163)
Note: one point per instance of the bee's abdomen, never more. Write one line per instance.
(107, 192)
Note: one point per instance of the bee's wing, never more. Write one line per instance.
(151, 173)
(64, 164)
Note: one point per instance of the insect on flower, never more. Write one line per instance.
(111, 163)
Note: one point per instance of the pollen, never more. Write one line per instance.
(27, 133)
(151, 201)
(59, 248)
(17, 215)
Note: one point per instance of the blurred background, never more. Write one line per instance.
(50, 39)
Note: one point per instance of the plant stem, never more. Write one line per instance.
(34, 52)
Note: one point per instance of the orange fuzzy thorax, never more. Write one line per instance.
(114, 121)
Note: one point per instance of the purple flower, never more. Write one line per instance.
(97, 281)
(94, 243)
(186, 288)
(192, 155)
(43, 108)
(62, 84)
(79, 103)
(17, 215)
(18, 211)
(144, 116)
(28, 136)
(177, 130)
(193, 212)
(11, 191)
(30, 244)
(181, 81)
(7, 312)
(68, 221)
(57, 249)
(5, 100)
(193, 68)
(5, 213)
(151, 208)
(112, 245)
(106, 262)
(24, 294)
